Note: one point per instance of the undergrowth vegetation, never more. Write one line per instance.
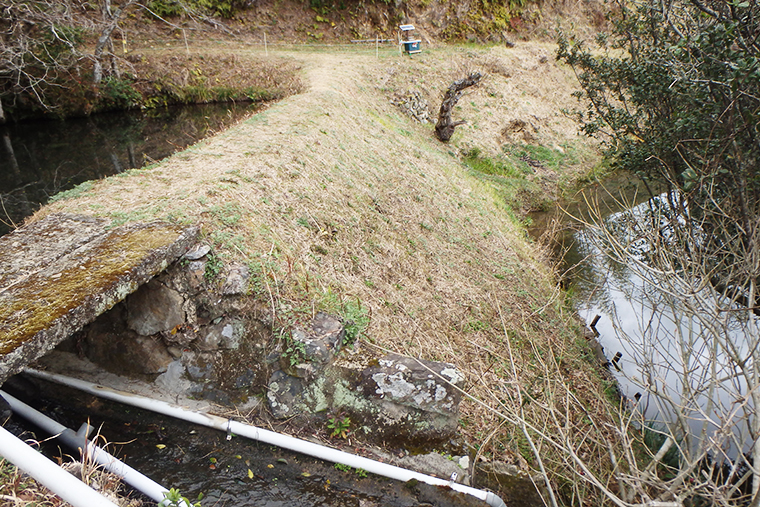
(223, 8)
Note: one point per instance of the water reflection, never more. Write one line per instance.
(40, 159)
(686, 349)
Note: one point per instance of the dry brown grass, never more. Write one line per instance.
(335, 194)
(157, 72)
(19, 490)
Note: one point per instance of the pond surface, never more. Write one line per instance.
(673, 336)
(41, 158)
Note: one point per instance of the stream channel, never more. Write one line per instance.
(199, 460)
(40, 159)
(663, 335)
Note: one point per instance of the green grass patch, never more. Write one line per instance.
(73, 193)
(228, 214)
(478, 162)
(533, 155)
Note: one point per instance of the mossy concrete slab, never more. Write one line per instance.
(59, 273)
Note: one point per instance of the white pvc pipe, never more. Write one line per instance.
(269, 437)
(75, 440)
(50, 475)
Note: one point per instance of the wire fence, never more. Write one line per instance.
(384, 46)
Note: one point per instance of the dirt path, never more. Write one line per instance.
(335, 195)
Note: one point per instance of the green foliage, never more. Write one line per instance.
(360, 472)
(214, 266)
(72, 193)
(355, 321)
(339, 427)
(295, 351)
(118, 94)
(173, 498)
(60, 41)
(676, 94)
(165, 8)
(532, 155)
(258, 94)
(653, 436)
(228, 214)
(507, 175)
(223, 8)
(486, 165)
(485, 18)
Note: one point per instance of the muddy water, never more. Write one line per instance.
(236, 472)
(41, 158)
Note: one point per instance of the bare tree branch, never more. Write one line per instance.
(444, 129)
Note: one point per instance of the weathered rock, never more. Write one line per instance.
(221, 344)
(56, 277)
(410, 399)
(237, 280)
(514, 486)
(173, 379)
(424, 385)
(414, 105)
(210, 338)
(315, 347)
(122, 351)
(154, 308)
(233, 333)
(437, 465)
(196, 271)
(402, 398)
(285, 395)
(148, 355)
(200, 366)
(225, 334)
(197, 252)
(30, 249)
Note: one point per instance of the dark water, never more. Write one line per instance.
(39, 159)
(239, 472)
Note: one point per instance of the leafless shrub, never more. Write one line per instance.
(691, 438)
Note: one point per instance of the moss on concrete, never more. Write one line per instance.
(43, 306)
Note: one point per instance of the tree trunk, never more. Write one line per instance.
(2, 113)
(444, 129)
(105, 39)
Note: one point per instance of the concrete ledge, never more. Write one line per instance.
(59, 273)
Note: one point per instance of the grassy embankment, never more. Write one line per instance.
(336, 200)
